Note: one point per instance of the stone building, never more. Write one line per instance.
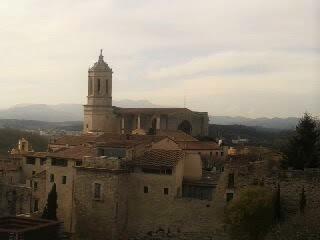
(101, 116)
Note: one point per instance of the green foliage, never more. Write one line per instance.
(258, 136)
(302, 201)
(303, 149)
(298, 227)
(9, 139)
(250, 215)
(50, 210)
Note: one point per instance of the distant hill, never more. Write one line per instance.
(276, 123)
(74, 112)
(36, 125)
(60, 112)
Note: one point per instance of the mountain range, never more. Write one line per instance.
(74, 112)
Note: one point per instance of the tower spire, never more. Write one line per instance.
(101, 56)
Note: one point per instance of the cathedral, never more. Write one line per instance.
(101, 117)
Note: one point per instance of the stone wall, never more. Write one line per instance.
(291, 183)
(105, 218)
(153, 212)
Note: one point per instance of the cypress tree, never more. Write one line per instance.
(50, 210)
(302, 149)
(277, 204)
(303, 201)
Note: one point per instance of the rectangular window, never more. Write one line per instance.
(64, 179)
(78, 163)
(51, 177)
(221, 154)
(164, 171)
(166, 191)
(59, 162)
(231, 180)
(35, 186)
(97, 191)
(36, 205)
(217, 153)
(31, 160)
(33, 173)
(229, 197)
(42, 161)
(145, 189)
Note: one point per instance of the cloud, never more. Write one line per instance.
(214, 52)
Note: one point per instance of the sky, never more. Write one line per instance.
(248, 58)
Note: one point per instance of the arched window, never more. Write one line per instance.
(90, 86)
(99, 85)
(107, 86)
(185, 126)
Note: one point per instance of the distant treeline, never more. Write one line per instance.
(257, 136)
(9, 139)
(37, 125)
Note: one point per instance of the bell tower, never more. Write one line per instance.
(99, 98)
(100, 83)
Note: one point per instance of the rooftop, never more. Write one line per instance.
(76, 153)
(176, 135)
(198, 145)
(159, 158)
(17, 224)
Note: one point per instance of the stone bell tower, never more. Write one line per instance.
(98, 109)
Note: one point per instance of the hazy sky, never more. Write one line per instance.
(228, 57)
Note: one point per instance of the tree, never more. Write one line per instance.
(277, 204)
(302, 201)
(302, 149)
(50, 210)
(250, 215)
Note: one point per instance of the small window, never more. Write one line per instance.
(231, 180)
(30, 160)
(87, 126)
(42, 161)
(78, 163)
(107, 86)
(229, 197)
(166, 191)
(217, 153)
(59, 162)
(35, 186)
(97, 191)
(145, 189)
(221, 154)
(51, 177)
(33, 173)
(36, 205)
(64, 179)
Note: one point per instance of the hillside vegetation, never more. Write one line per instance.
(257, 136)
(9, 138)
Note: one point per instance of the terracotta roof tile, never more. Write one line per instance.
(37, 154)
(176, 135)
(76, 153)
(75, 140)
(198, 145)
(159, 158)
